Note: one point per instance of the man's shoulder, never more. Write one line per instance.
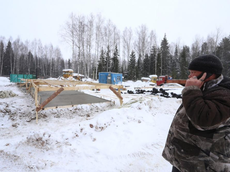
(225, 83)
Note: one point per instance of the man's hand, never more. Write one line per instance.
(193, 81)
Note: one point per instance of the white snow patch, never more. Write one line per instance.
(85, 138)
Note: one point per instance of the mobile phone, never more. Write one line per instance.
(207, 75)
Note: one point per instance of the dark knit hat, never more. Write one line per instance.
(207, 63)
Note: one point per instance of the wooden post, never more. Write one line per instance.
(36, 116)
(36, 96)
(117, 94)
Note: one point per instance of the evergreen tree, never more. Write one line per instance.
(132, 67)
(1, 56)
(139, 68)
(223, 52)
(102, 64)
(159, 59)
(115, 61)
(69, 66)
(62, 64)
(31, 64)
(146, 66)
(165, 55)
(184, 55)
(8, 60)
(175, 64)
(153, 55)
(22, 66)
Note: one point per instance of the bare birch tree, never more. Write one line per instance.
(212, 41)
(152, 40)
(68, 35)
(98, 40)
(196, 48)
(127, 45)
(51, 59)
(40, 56)
(16, 49)
(89, 43)
(141, 43)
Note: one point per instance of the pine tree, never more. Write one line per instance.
(31, 64)
(69, 66)
(175, 64)
(153, 55)
(146, 66)
(159, 62)
(184, 55)
(132, 66)
(22, 66)
(1, 56)
(139, 68)
(223, 52)
(115, 61)
(8, 60)
(102, 64)
(165, 55)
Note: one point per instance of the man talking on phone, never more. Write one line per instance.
(199, 136)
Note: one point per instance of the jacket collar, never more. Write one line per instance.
(213, 83)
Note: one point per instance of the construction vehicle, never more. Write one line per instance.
(67, 73)
(153, 78)
(167, 79)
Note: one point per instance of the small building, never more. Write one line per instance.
(110, 78)
(17, 77)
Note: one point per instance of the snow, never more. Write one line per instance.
(67, 70)
(87, 138)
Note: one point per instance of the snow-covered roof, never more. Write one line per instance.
(65, 70)
(152, 76)
(145, 78)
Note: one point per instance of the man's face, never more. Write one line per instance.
(194, 73)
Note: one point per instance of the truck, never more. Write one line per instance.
(167, 79)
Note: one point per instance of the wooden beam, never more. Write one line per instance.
(49, 99)
(117, 94)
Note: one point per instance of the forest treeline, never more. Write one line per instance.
(98, 46)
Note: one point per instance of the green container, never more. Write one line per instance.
(17, 77)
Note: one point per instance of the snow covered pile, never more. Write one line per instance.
(6, 94)
(94, 137)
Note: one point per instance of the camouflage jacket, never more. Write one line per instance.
(199, 136)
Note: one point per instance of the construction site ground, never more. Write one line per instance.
(66, 98)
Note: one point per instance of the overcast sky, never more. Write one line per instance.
(181, 20)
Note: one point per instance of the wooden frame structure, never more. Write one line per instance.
(36, 85)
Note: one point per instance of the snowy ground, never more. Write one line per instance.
(102, 137)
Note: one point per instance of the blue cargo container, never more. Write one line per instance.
(17, 77)
(110, 78)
